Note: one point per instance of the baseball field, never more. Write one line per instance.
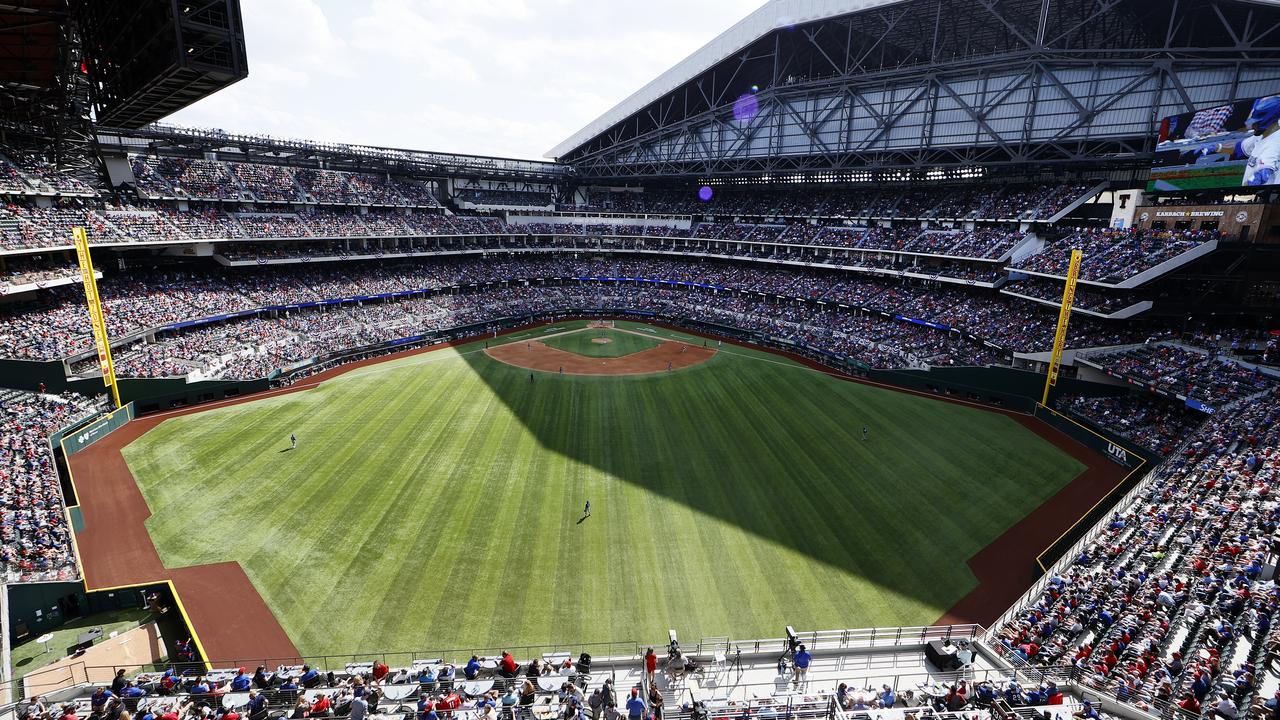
(437, 500)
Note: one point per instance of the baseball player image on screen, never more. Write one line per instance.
(1262, 149)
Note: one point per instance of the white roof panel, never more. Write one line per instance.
(772, 15)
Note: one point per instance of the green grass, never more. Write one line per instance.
(434, 502)
(583, 342)
(31, 655)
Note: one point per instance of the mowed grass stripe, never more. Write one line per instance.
(434, 501)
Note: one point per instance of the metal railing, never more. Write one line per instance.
(853, 639)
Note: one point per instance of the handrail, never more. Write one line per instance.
(613, 653)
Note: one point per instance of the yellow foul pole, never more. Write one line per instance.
(95, 313)
(1064, 315)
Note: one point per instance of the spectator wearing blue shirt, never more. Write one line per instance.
(472, 670)
(132, 691)
(887, 698)
(310, 678)
(635, 706)
(241, 682)
(1087, 712)
(257, 707)
(1200, 687)
(802, 660)
(1013, 694)
(100, 697)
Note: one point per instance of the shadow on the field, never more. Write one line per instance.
(779, 466)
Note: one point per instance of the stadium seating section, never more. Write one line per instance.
(1165, 604)
(35, 542)
(51, 326)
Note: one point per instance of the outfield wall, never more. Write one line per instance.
(159, 394)
(74, 439)
(1138, 461)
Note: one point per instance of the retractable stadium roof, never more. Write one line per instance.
(773, 15)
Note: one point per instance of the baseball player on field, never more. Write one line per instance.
(1262, 148)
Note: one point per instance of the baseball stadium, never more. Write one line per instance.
(878, 360)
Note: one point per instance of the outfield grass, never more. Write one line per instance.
(583, 342)
(434, 501)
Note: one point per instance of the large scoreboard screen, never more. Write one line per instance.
(1236, 145)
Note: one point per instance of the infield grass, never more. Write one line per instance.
(584, 342)
(435, 501)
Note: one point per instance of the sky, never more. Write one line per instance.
(511, 78)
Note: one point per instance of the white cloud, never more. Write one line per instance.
(492, 77)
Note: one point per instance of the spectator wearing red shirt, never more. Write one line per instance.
(507, 667)
(380, 670)
(650, 665)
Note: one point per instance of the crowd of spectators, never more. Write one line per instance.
(51, 324)
(35, 541)
(11, 180)
(214, 180)
(259, 342)
(1086, 298)
(1208, 378)
(27, 226)
(184, 178)
(1112, 255)
(38, 270)
(959, 202)
(44, 177)
(268, 183)
(1165, 605)
(505, 198)
(1152, 421)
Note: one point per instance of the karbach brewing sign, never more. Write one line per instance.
(1191, 213)
(1231, 220)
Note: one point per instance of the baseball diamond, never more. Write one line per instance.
(428, 475)
(834, 360)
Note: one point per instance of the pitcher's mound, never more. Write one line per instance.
(601, 341)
